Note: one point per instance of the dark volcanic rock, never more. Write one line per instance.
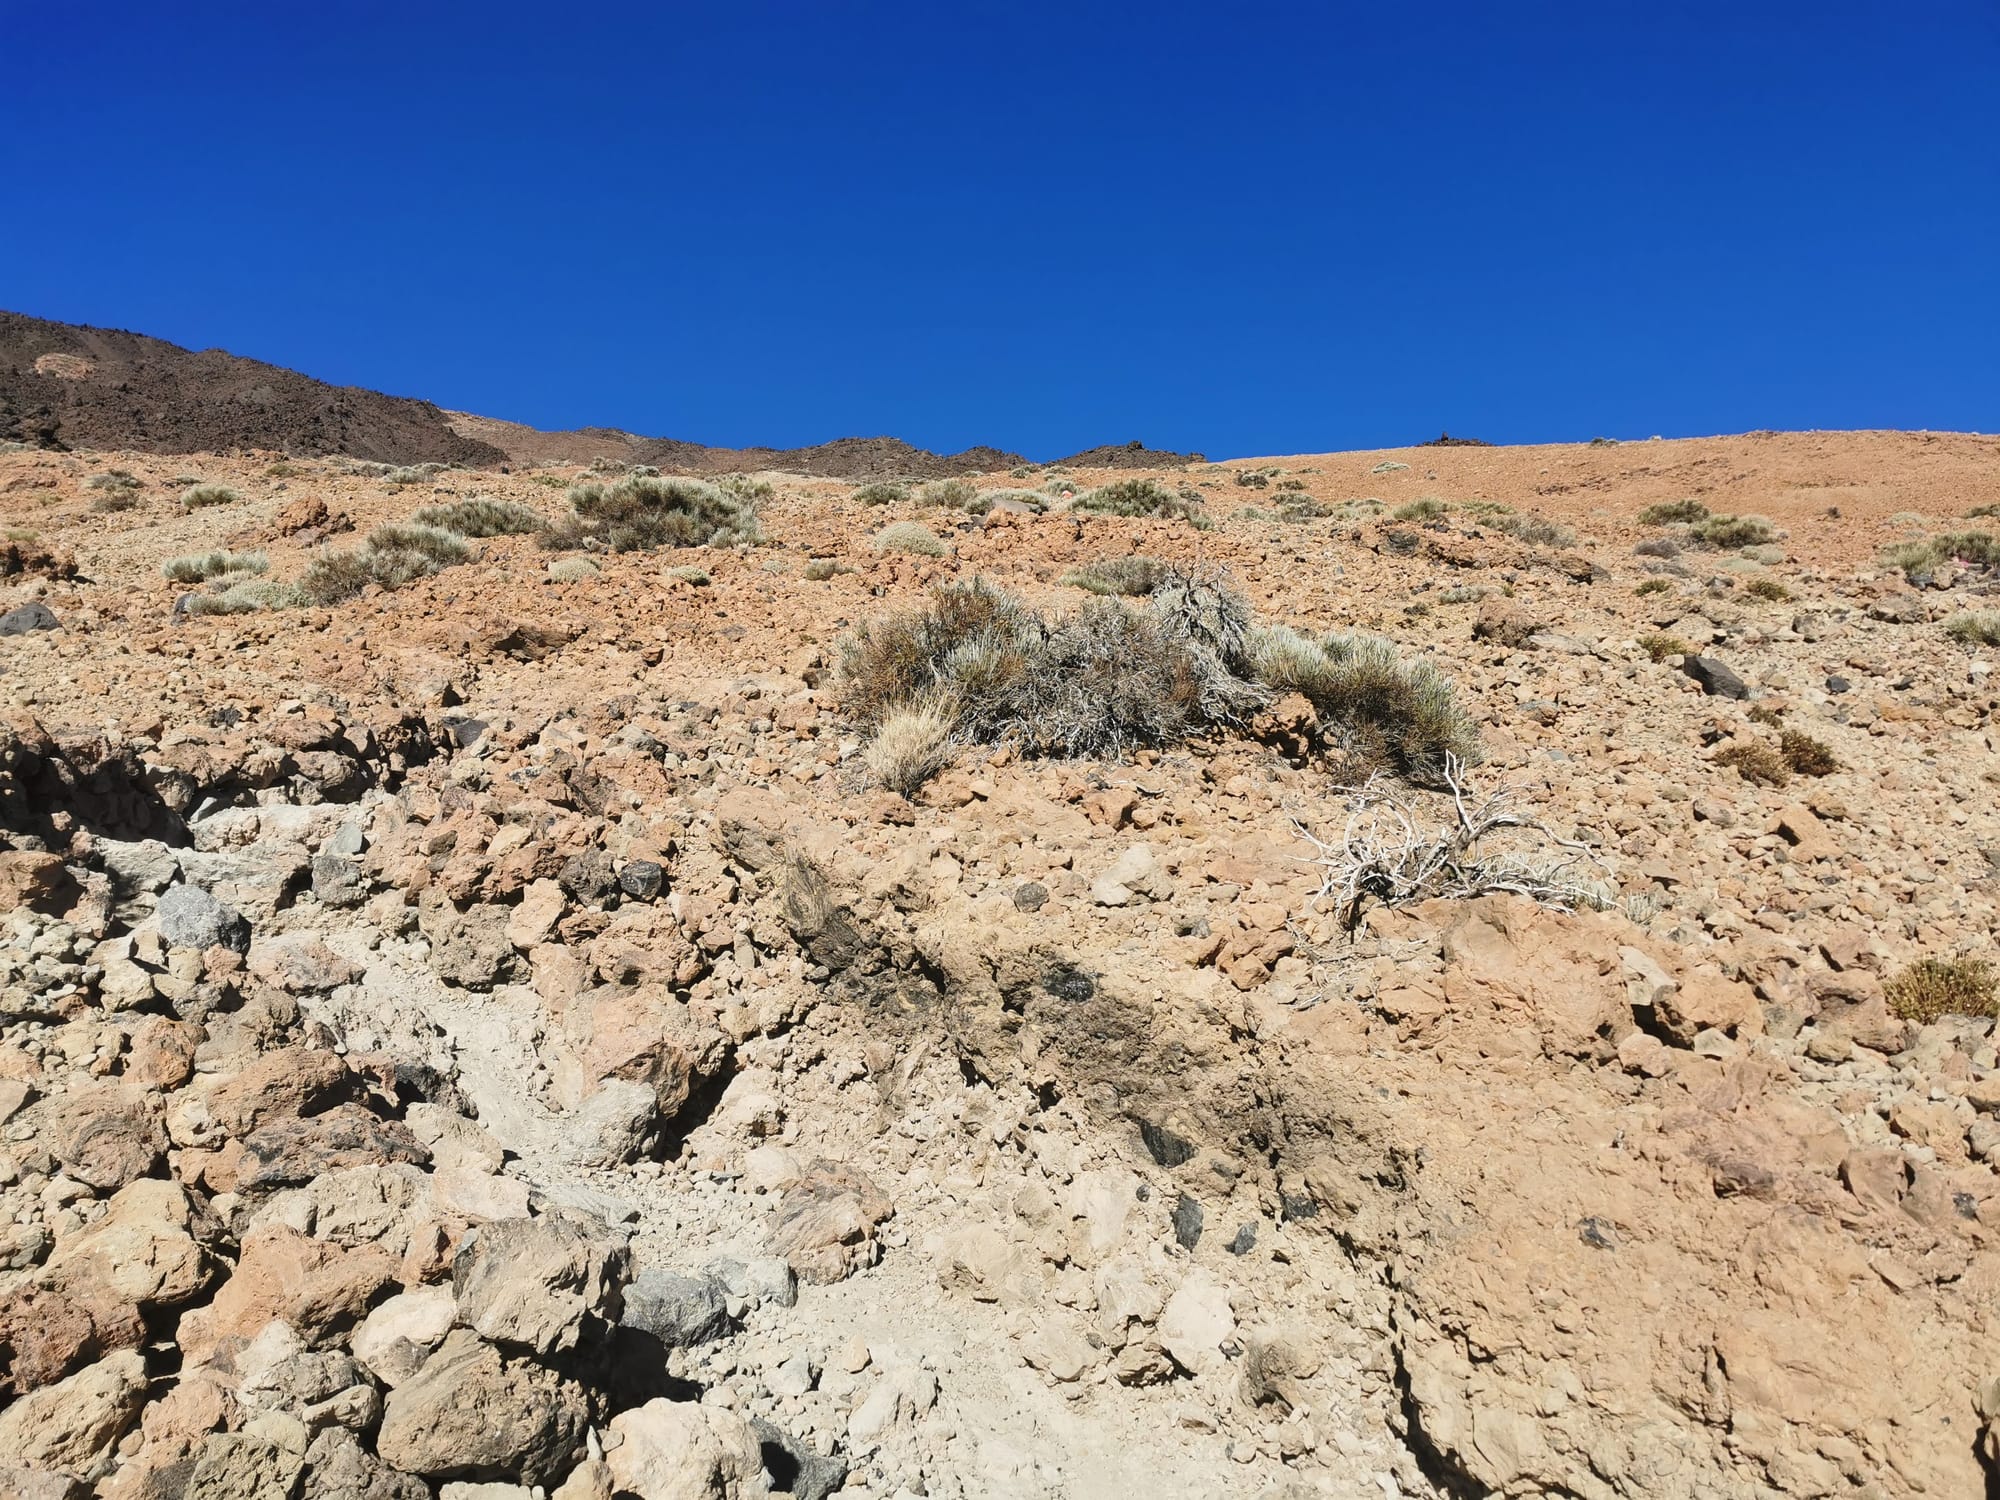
(1716, 679)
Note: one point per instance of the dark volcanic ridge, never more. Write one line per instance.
(64, 385)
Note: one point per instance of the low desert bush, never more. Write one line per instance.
(1768, 589)
(1763, 713)
(114, 479)
(201, 566)
(1254, 479)
(882, 493)
(200, 496)
(1658, 546)
(1932, 988)
(745, 489)
(1727, 533)
(392, 556)
(1979, 512)
(1660, 645)
(949, 494)
(1806, 755)
(1140, 497)
(1536, 531)
(912, 538)
(1980, 548)
(1673, 512)
(822, 568)
(482, 517)
(249, 596)
(415, 474)
(1033, 500)
(1653, 586)
(1371, 702)
(642, 512)
(1976, 627)
(435, 546)
(1134, 575)
(333, 577)
(912, 745)
(1464, 593)
(1755, 762)
(572, 569)
(1426, 509)
(698, 577)
(1062, 488)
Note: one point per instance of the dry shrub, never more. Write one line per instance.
(1426, 509)
(572, 570)
(1536, 531)
(912, 538)
(1755, 762)
(1767, 589)
(1976, 627)
(199, 567)
(482, 517)
(1933, 988)
(437, 547)
(1660, 645)
(822, 568)
(1653, 586)
(1135, 575)
(1141, 497)
(643, 512)
(1673, 512)
(201, 496)
(249, 596)
(392, 556)
(1806, 755)
(1663, 547)
(1371, 703)
(911, 746)
(1727, 533)
(883, 493)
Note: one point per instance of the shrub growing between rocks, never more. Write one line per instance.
(201, 496)
(572, 569)
(1372, 703)
(1134, 575)
(949, 494)
(1756, 763)
(201, 566)
(1727, 533)
(1660, 646)
(883, 493)
(248, 597)
(1806, 755)
(1673, 512)
(482, 517)
(1653, 586)
(911, 538)
(1140, 497)
(1536, 531)
(1426, 509)
(643, 512)
(1768, 589)
(1974, 627)
(912, 745)
(1933, 988)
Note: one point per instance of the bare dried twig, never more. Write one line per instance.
(1386, 853)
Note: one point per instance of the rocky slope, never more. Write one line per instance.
(492, 1035)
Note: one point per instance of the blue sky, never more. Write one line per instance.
(1239, 229)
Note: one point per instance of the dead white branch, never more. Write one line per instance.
(1387, 853)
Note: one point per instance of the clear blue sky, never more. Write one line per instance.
(1242, 229)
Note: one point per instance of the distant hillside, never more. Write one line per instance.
(67, 386)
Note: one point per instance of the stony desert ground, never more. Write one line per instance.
(498, 1036)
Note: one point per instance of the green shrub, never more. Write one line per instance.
(1974, 628)
(114, 479)
(482, 517)
(1932, 988)
(1915, 559)
(392, 556)
(1727, 533)
(1426, 509)
(1979, 548)
(202, 566)
(1140, 497)
(1660, 646)
(1371, 702)
(1672, 512)
(642, 512)
(912, 538)
(1980, 511)
(1767, 588)
(572, 569)
(745, 489)
(333, 577)
(882, 493)
(1062, 488)
(1653, 586)
(1134, 575)
(698, 577)
(434, 545)
(200, 496)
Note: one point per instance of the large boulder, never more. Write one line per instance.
(826, 1223)
(189, 917)
(539, 1283)
(682, 1450)
(73, 1427)
(471, 1413)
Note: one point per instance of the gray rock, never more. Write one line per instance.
(1030, 897)
(339, 1468)
(237, 1466)
(679, 1311)
(338, 880)
(539, 1282)
(1187, 1222)
(29, 617)
(1715, 678)
(1837, 684)
(795, 1469)
(641, 879)
(615, 1124)
(144, 868)
(768, 1278)
(588, 877)
(351, 839)
(191, 918)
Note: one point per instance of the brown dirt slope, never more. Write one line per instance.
(67, 386)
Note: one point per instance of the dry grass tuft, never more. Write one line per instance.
(1141, 497)
(882, 493)
(201, 496)
(1768, 589)
(1979, 627)
(912, 745)
(482, 517)
(1755, 762)
(1806, 755)
(911, 538)
(1660, 646)
(1673, 512)
(1932, 988)
(1727, 533)
(642, 512)
(1134, 576)
(201, 566)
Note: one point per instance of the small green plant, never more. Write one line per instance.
(200, 496)
(1974, 627)
(1254, 479)
(1062, 488)
(1727, 533)
(1673, 512)
(1134, 575)
(1806, 755)
(1768, 589)
(883, 493)
(1660, 646)
(1140, 497)
(1755, 762)
(1933, 988)
(911, 538)
(1426, 509)
(572, 569)
(114, 479)
(1372, 703)
(199, 567)
(698, 577)
(1653, 586)
(482, 517)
